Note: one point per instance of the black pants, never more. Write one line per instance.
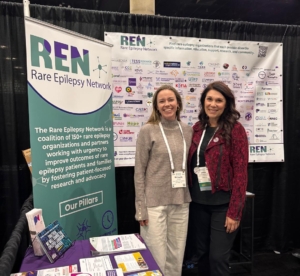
(212, 243)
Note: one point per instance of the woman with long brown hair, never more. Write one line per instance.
(218, 160)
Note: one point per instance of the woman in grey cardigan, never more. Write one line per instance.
(162, 196)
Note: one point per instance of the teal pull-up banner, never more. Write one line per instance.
(71, 135)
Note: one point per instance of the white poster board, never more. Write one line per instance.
(253, 70)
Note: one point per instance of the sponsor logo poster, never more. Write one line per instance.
(263, 152)
(142, 63)
(71, 132)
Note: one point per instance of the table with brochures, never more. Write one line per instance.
(80, 249)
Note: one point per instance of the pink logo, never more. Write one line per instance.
(118, 89)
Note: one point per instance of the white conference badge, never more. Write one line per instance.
(203, 179)
(202, 172)
(178, 177)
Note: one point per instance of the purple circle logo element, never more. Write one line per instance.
(248, 116)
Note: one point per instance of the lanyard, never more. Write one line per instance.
(199, 146)
(168, 147)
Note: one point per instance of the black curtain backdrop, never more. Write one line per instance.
(276, 186)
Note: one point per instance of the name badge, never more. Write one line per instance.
(203, 178)
(178, 179)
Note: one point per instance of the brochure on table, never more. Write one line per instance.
(131, 262)
(146, 273)
(116, 243)
(95, 264)
(56, 271)
(112, 272)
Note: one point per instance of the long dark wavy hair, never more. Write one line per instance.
(229, 116)
(155, 115)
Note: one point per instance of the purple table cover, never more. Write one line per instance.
(80, 249)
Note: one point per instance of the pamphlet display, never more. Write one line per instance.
(36, 224)
(54, 241)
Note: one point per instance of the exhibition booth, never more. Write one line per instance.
(122, 59)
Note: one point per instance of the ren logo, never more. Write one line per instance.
(57, 55)
(133, 40)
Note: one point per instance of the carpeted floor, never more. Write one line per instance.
(264, 264)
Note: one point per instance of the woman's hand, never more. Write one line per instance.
(231, 225)
(143, 222)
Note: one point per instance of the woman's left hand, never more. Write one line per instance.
(231, 225)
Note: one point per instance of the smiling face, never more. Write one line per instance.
(167, 104)
(214, 105)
